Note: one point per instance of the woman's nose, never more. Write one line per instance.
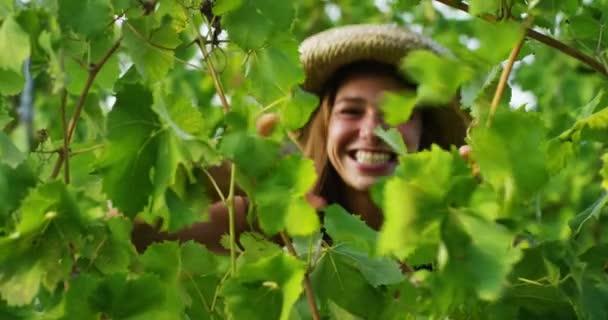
(369, 123)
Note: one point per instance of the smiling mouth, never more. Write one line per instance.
(372, 157)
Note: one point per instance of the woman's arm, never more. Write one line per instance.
(208, 233)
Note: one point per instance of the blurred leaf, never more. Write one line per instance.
(275, 70)
(247, 27)
(397, 107)
(7, 8)
(298, 109)
(223, 6)
(498, 151)
(265, 289)
(479, 7)
(438, 78)
(490, 50)
(9, 153)
(87, 17)
(14, 48)
(11, 82)
(393, 138)
(479, 255)
(280, 198)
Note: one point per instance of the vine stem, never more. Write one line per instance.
(230, 205)
(216, 81)
(547, 40)
(504, 77)
(93, 71)
(64, 124)
(310, 296)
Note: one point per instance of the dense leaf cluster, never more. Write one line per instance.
(115, 111)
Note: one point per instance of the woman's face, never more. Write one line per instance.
(357, 154)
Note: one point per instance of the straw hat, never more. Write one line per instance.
(324, 53)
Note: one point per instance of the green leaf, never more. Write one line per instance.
(438, 78)
(11, 82)
(14, 47)
(265, 289)
(281, 14)
(397, 107)
(414, 201)
(275, 70)
(15, 184)
(87, 17)
(247, 27)
(377, 271)
(280, 197)
(479, 256)
(132, 150)
(7, 8)
(479, 7)
(296, 112)
(223, 6)
(253, 155)
(393, 138)
(498, 152)
(490, 50)
(144, 297)
(36, 253)
(344, 227)
(111, 251)
(336, 279)
(9, 153)
(150, 48)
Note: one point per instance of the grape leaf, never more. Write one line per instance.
(150, 48)
(397, 107)
(87, 17)
(344, 227)
(479, 256)
(14, 48)
(9, 153)
(336, 280)
(223, 6)
(279, 197)
(438, 78)
(497, 150)
(265, 289)
(393, 138)
(131, 151)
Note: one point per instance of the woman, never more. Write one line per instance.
(349, 68)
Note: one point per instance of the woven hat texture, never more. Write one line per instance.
(325, 52)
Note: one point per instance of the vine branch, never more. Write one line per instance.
(218, 84)
(310, 297)
(547, 40)
(93, 71)
(504, 77)
(230, 204)
(64, 124)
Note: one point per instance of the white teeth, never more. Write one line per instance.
(372, 157)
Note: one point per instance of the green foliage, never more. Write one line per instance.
(517, 231)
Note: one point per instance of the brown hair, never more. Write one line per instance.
(313, 136)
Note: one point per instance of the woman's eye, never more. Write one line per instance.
(351, 111)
